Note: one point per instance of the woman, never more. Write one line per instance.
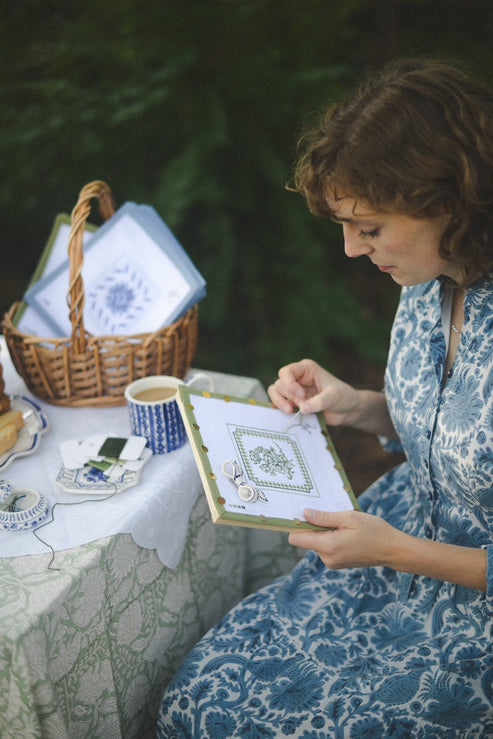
(384, 627)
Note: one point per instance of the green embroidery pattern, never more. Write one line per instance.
(272, 460)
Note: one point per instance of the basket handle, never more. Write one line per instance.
(75, 295)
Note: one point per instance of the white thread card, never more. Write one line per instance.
(259, 470)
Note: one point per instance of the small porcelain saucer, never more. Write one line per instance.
(89, 481)
(22, 508)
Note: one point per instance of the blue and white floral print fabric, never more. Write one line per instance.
(371, 652)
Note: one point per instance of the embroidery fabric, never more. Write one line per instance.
(371, 652)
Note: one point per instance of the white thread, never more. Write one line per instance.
(295, 419)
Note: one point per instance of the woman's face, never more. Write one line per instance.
(406, 248)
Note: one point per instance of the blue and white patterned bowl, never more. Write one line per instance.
(22, 508)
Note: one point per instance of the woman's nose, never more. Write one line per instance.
(353, 244)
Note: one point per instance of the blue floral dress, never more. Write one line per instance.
(373, 652)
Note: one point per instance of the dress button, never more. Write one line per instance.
(428, 434)
(428, 532)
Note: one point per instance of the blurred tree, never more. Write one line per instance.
(195, 108)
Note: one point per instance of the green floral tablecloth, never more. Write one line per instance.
(86, 650)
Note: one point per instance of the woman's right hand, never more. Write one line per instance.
(307, 386)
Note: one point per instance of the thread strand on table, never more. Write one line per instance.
(77, 502)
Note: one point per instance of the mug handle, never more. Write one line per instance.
(201, 377)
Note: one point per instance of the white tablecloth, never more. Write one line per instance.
(155, 512)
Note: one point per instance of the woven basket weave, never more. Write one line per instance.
(85, 370)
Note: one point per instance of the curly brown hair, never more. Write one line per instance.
(416, 139)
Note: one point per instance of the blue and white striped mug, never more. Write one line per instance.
(154, 412)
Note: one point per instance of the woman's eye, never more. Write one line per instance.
(369, 234)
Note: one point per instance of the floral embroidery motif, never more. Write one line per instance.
(120, 296)
(273, 461)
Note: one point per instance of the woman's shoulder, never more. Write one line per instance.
(478, 309)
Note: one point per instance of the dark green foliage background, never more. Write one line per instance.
(195, 107)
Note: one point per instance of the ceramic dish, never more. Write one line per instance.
(88, 480)
(35, 424)
(22, 508)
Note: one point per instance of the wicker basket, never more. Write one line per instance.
(4, 398)
(86, 370)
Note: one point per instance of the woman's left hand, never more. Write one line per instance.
(356, 539)
(352, 539)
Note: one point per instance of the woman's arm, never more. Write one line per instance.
(307, 386)
(357, 539)
(371, 414)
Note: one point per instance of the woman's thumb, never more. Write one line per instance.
(319, 518)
